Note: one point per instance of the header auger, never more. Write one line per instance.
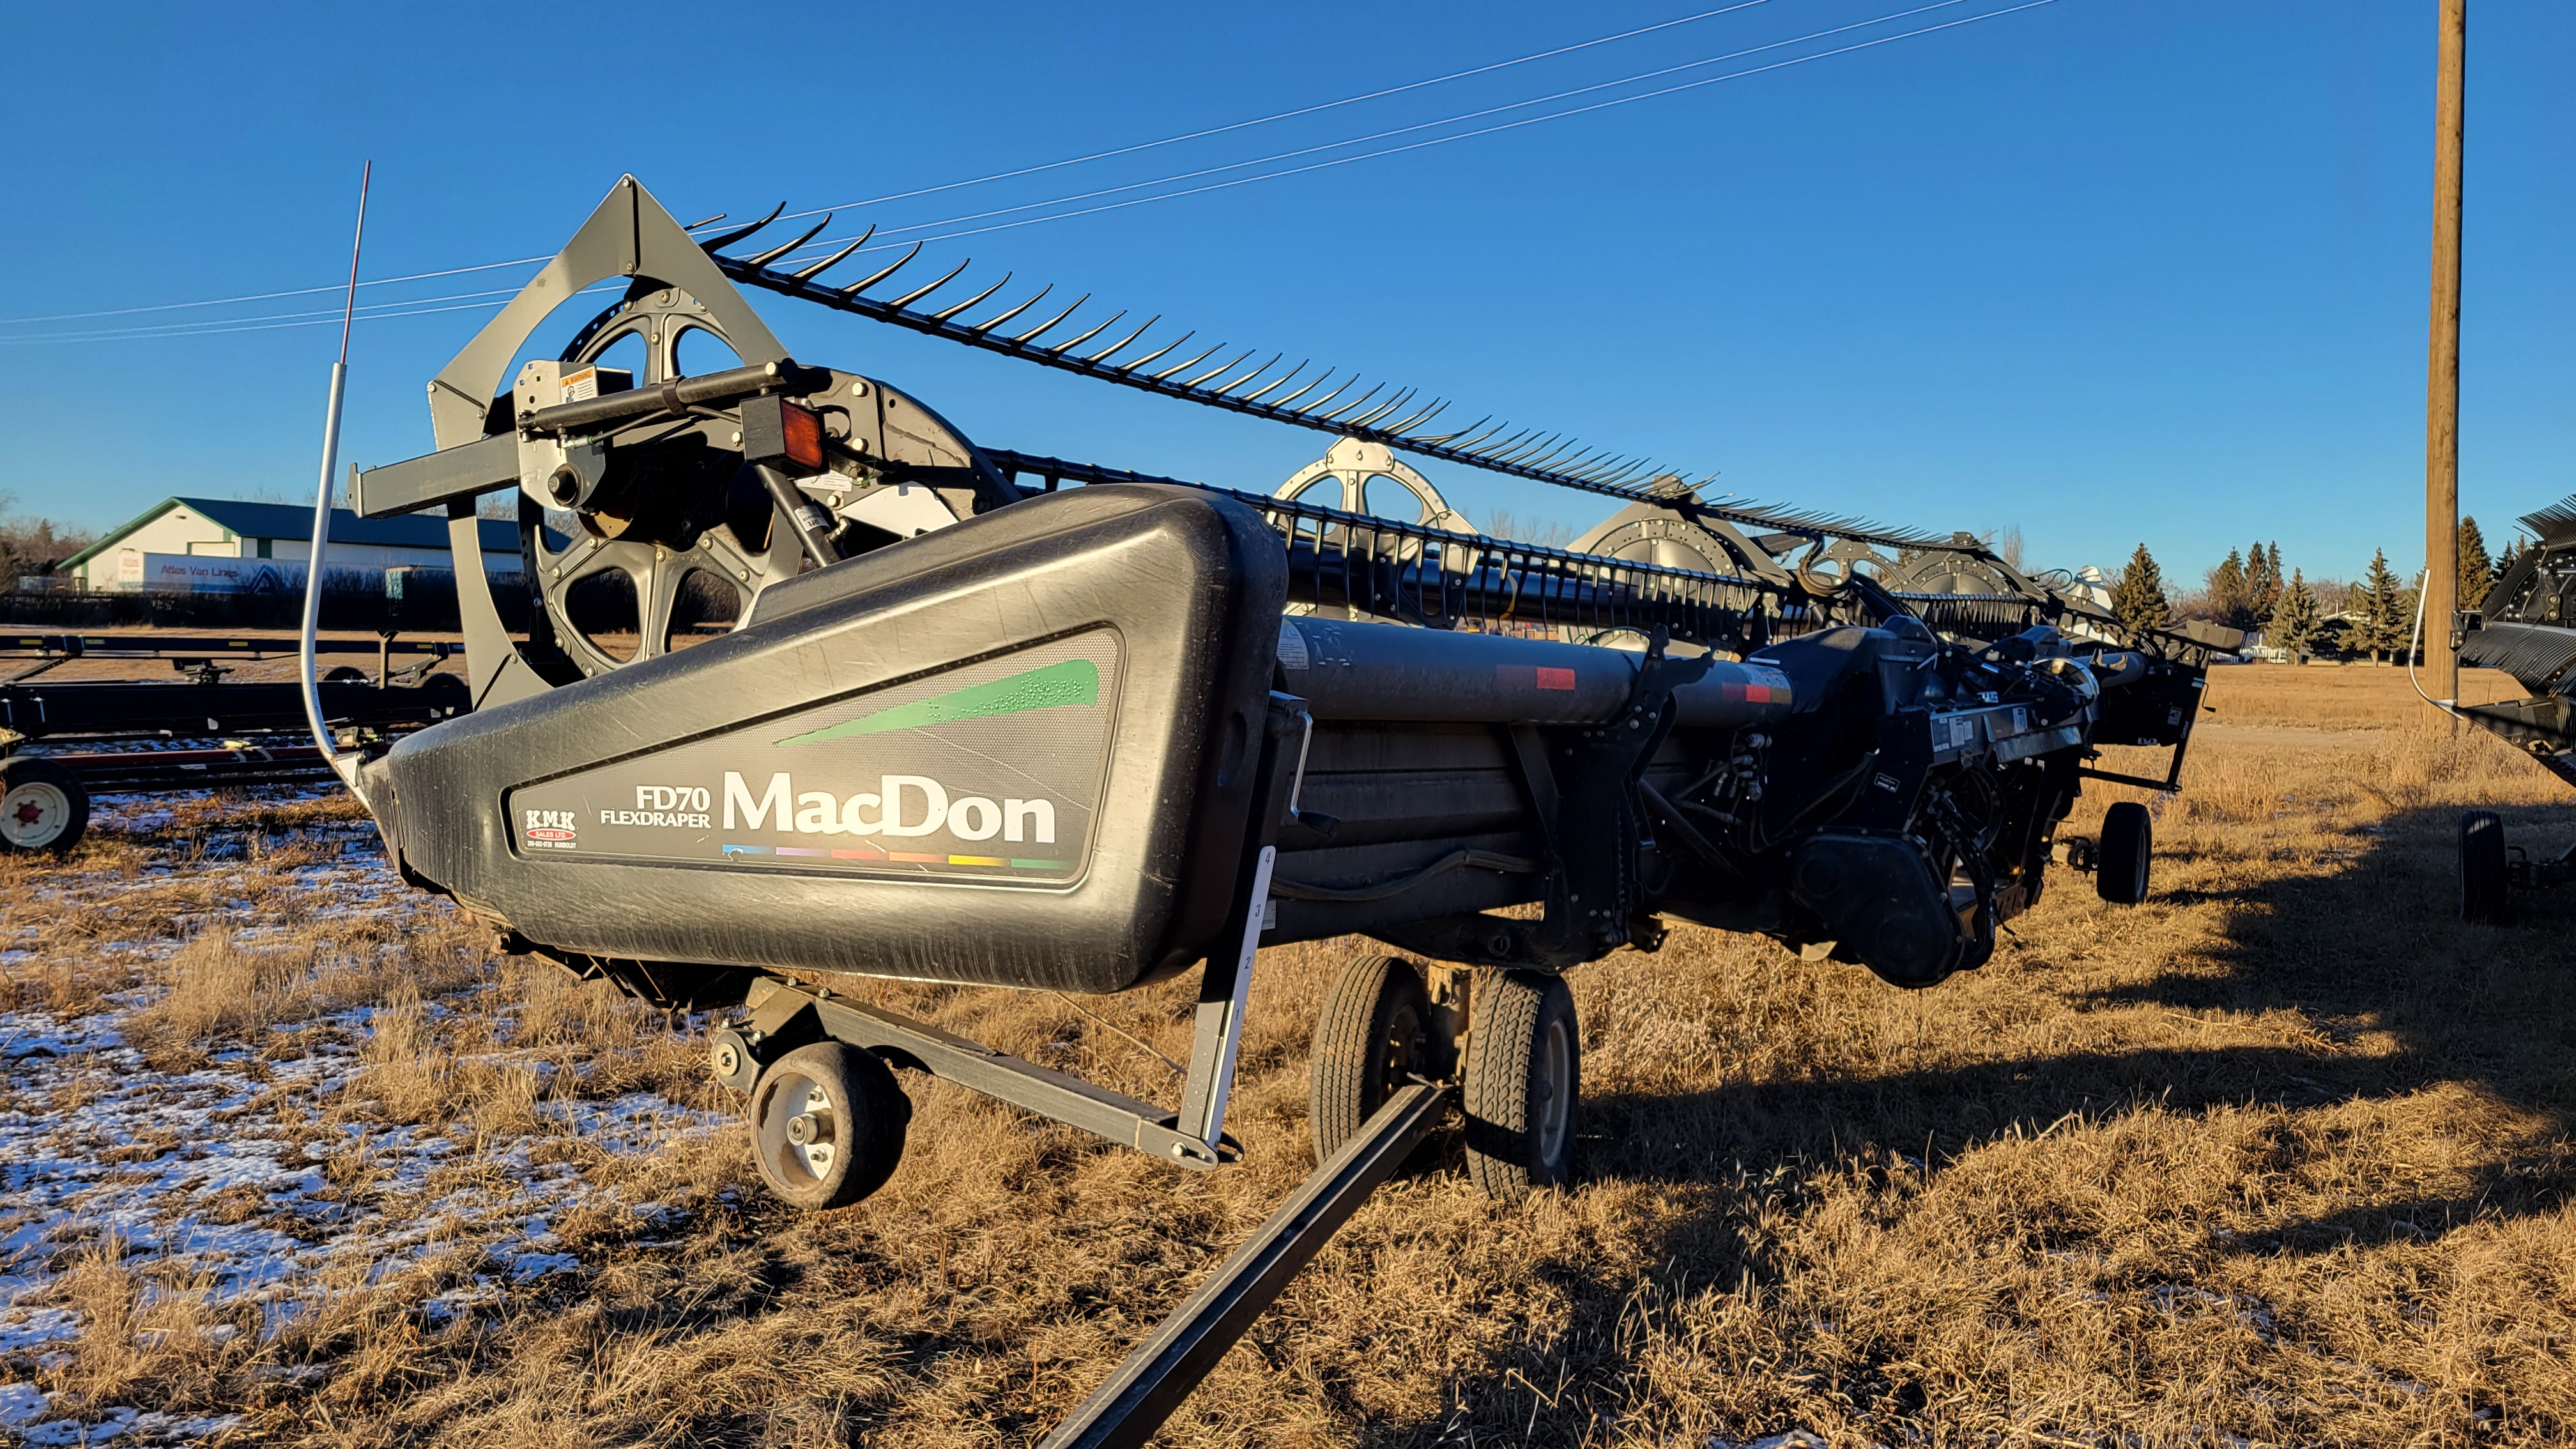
(1001, 718)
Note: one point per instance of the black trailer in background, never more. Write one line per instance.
(64, 740)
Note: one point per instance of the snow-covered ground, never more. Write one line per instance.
(243, 1175)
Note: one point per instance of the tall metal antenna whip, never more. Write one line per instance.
(345, 766)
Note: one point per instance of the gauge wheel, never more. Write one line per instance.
(1522, 1084)
(2483, 897)
(2120, 861)
(1375, 1034)
(43, 807)
(827, 1125)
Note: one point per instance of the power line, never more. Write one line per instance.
(1383, 135)
(211, 328)
(1285, 115)
(1490, 130)
(953, 185)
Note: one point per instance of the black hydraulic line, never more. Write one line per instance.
(1153, 1379)
(1480, 859)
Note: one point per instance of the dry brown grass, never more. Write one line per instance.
(2282, 1157)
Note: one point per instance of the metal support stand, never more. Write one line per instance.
(1154, 1378)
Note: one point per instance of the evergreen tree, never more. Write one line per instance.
(2138, 601)
(2511, 555)
(2227, 592)
(2477, 572)
(2382, 631)
(2262, 584)
(2294, 622)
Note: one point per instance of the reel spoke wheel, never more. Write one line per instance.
(2483, 897)
(1523, 1084)
(2128, 844)
(1374, 1035)
(43, 807)
(827, 1125)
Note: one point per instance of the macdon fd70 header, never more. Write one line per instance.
(968, 728)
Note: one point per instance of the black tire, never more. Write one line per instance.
(1374, 1034)
(43, 807)
(827, 1125)
(1523, 1077)
(2484, 899)
(347, 674)
(2120, 862)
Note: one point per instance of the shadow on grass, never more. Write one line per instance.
(2369, 944)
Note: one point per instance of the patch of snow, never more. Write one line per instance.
(21, 1403)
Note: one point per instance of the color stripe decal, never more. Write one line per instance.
(1075, 681)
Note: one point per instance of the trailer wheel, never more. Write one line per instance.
(827, 1124)
(1375, 1032)
(2483, 898)
(1523, 1084)
(2128, 843)
(42, 805)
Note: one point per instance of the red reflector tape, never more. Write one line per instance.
(1556, 679)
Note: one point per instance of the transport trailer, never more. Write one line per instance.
(64, 740)
(1095, 730)
(2525, 626)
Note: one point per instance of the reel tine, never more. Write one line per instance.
(1405, 426)
(1249, 376)
(834, 259)
(1521, 454)
(1043, 327)
(729, 238)
(774, 253)
(1289, 403)
(1060, 349)
(1309, 410)
(1335, 416)
(1108, 352)
(1369, 419)
(1284, 379)
(946, 313)
(1550, 458)
(990, 323)
(908, 298)
(1146, 359)
(1490, 451)
(1220, 371)
(708, 221)
(1193, 362)
(1445, 439)
(899, 263)
(1426, 414)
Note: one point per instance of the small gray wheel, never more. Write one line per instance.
(1522, 1084)
(827, 1125)
(1374, 1033)
(42, 805)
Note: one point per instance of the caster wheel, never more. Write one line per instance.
(42, 805)
(2120, 862)
(1523, 1084)
(2483, 897)
(1374, 1033)
(827, 1125)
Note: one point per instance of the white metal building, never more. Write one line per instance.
(226, 545)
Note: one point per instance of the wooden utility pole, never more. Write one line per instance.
(2442, 385)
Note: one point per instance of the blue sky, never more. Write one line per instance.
(2104, 270)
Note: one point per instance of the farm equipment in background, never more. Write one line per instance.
(64, 740)
(1000, 718)
(2525, 626)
